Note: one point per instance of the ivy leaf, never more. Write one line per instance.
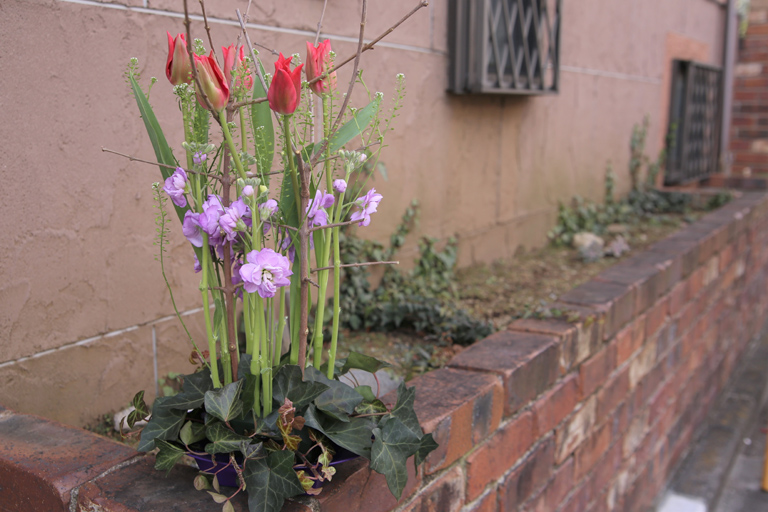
(339, 400)
(354, 435)
(201, 483)
(373, 407)
(251, 450)
(218, 498)
(228, 507)
(192, 432)
(426, 445)
(394, 443)
(289, 384)
(244, 366)
(366, 392)
(270, 480)
(223, 440)
(140, 406)
(168, 455)
(403, 409)
(223, 403)
(164, 424)
(362, 362)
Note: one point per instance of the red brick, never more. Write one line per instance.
(578, 427)
(528, 477)
(591, 451)
(459, 408)
(445, 494)
(678, 298)
(593, 372)
(498, 454)
(556, 490)
(656, 316)
(612, 394)
(556, 404)
(616, 301)
(726, 256)
(577, 338)
(578, 499)
(43, 461)
(528, 364)
(629, 340)
(488, 503)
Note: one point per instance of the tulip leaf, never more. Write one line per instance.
(168, 455)
(270, 480)
(355, 126)
(224, 403)
(263, 130)
(164, 424)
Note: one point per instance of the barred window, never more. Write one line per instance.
(693, 141)
(504, 46)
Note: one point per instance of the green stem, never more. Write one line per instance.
(231, 144)
(336, 284)
(243, 140)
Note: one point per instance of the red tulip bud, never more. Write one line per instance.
(212, 81)
(178, 69)
(285, 90)
(318, 62)
(233, 60)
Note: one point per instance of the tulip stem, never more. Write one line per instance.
(231, 144)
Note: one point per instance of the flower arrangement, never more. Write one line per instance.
(276, 420)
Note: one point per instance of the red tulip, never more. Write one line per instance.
(178, 69)
(318, 62)
(212, 81)
(232, 62)
(285, 90)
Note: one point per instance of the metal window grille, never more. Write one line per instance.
(693, 145)
(505, 46)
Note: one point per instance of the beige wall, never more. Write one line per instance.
(84, 317)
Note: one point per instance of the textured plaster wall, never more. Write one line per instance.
(84, 316)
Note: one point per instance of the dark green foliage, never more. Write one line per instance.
(423, 299)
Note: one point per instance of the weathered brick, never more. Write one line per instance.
(656, 316)
(612, 394)
(617, 301)
(635, 434)
(576, 429)
(499, 453)
(527, 362)
(629, 340)
(556, 404)
(459, 408)
(593, 372)
(576, 337)
(556, 490)
(591, 451)
(529, 476)
(41, 461)
(678, 298)
(642, 363)
(489, 502)
(446, 493)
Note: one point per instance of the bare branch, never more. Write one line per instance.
(191, 53)
(207, 27)
(253, 101)
(308, 280)
(337, 225)
(134, 159)
(366, 264)
(320, 22)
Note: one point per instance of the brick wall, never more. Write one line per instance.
(749, 131)
(585, 415)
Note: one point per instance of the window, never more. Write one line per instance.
(693, 143)
(504, 46)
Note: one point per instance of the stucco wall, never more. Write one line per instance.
(84, 317)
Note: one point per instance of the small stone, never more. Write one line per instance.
(617, 247)
(589, 245)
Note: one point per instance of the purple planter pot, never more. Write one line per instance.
(228, 476)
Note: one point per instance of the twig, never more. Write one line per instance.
(369, 46)
(337, 225)
(252, 101)
(274, 224)
(312, 282)
(191, 53)
(207, 27)
(366, 264)
(134, 159)
(223, 288)
(320, 22)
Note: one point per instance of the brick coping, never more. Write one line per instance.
(547, 415)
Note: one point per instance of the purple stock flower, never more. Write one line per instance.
(265, 271)
(368, 205)
(248, 191)
(191, 228)
(236, 277)
(339, 186)
(198, 266)
(315, 211)
(209, 219)
(199, 157)
(175, 185)
(267, 209)
(232, 216)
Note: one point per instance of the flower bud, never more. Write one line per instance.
(248, 191)
(318, 62)
(339, 186)
(178, 68)
(212, 82)
(285, 90)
